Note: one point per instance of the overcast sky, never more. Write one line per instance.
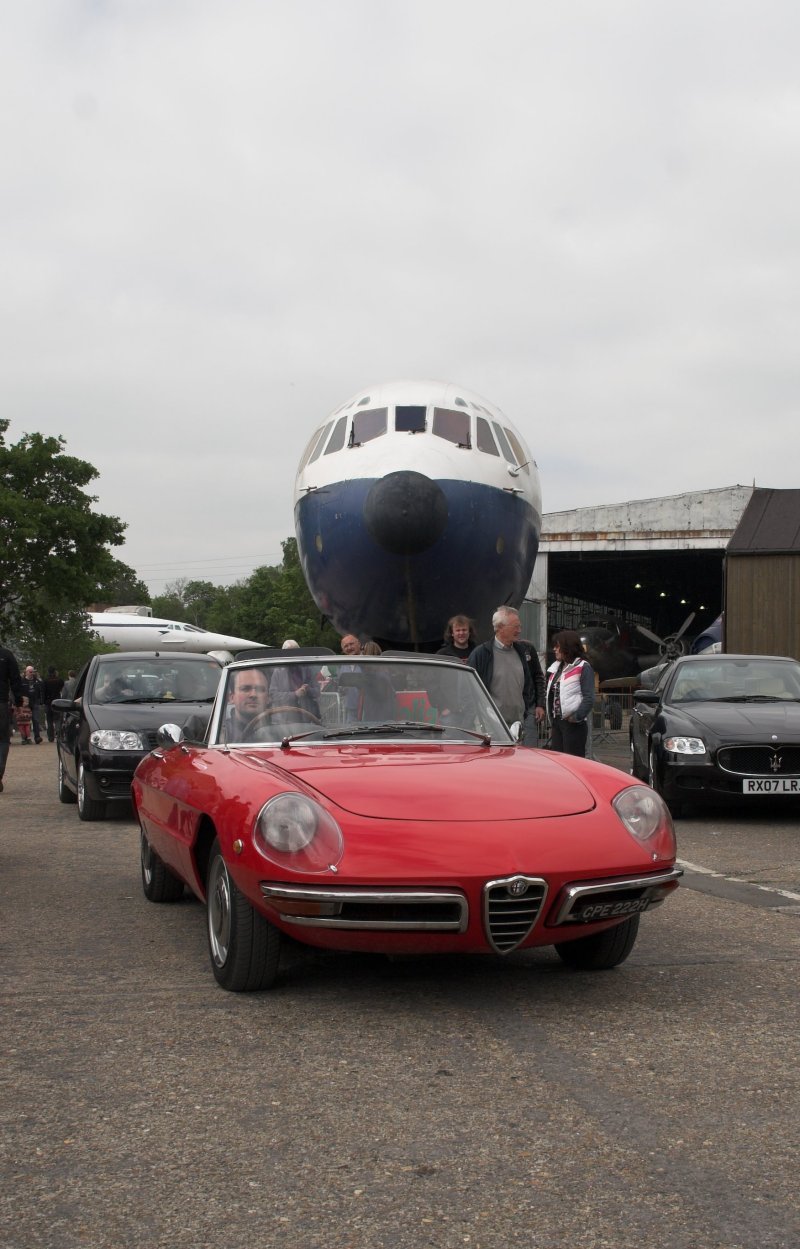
(221, 219)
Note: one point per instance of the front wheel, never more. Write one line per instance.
(65, 794)
(635, 768)
(245, 948)
(654, 781)
(603, 950)
(158, 882)
(88, 808)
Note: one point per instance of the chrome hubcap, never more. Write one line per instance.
(219, 911)
(81, 788)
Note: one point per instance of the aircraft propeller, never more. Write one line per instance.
(672, 646)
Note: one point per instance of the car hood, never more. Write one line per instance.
(143, 717)
(741, 722)
(462, 785)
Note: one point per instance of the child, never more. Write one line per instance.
(24, 718)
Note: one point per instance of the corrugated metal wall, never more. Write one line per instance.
(762, 604)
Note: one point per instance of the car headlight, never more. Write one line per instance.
(117, 739)
(684, 745)
(295, 832)
(646, 817)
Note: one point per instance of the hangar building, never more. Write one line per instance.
(762, 577)
(651, 562)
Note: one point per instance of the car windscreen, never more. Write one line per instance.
(354, 696)
(174, 678)
(736, 680)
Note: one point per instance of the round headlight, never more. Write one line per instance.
(289, 822)
(646, 817)
(295, 832)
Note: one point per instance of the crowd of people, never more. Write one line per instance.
(559, 700)
(26, 704)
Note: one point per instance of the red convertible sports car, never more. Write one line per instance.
(382, 804)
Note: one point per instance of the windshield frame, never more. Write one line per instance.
(715, 677)
(403, 674)
(148, 674)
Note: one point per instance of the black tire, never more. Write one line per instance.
(88, 808)
(676, 808)
(636, 771)
(244, 947)
(603, 950)
(158, 882)
(65, 794)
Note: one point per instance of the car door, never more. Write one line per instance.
(646, 707)
(69, 729)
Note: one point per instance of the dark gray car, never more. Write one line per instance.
(110, 723)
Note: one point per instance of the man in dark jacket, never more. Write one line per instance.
(33, 689)
(503, 667)
(53, 685)
(536, 713)
(10, 687)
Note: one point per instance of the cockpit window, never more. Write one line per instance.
(313, 442)
(337, 437)
(368, 425)
(409, 419)
(505, 447)
(522, 458)
(483, 437)
(322, 440)
(453, 426)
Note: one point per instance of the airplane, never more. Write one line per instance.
(133, 632)
(619, 660)
(415, 501)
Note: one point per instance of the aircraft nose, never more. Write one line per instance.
(405, 512)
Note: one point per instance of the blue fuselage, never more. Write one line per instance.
(394, 557)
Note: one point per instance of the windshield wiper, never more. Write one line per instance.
(394, 727)
(390, 726)
(754, 698)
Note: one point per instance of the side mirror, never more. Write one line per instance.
(646, 696)
(516, 731)
(63, 704)
(169, 735)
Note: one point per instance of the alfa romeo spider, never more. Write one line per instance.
(382, 804)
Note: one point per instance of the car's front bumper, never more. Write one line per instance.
(512, 911)
(108, 774)
(694, 780)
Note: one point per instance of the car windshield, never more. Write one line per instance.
(174, 678)
(339, 697)
(736, 680)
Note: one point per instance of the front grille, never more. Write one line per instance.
(760, 760)
(510, 908)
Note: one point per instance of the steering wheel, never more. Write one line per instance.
(265, 716)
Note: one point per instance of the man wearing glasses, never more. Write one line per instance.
(248, 699)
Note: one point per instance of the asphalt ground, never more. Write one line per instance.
(369, 1104)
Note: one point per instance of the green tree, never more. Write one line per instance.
(123, 588)
(275, 603)
(54, 552)
(270, 605)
